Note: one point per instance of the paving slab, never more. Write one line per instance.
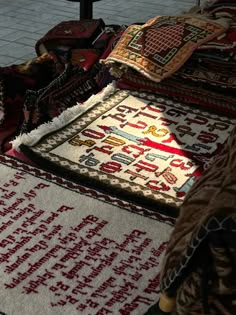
(23, 22)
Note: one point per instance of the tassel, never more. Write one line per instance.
(166, 303)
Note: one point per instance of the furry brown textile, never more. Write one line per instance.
(200, 262)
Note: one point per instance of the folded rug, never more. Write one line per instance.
(67, 249)
(200, 263)
(15, 81)
(218, 74)
(82, 77)
(219, 7)
(74, 33)
(227, 42)
(73, 85)
(160, 47)
(141, 146)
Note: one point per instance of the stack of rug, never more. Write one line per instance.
(212, 66)
(191, 58)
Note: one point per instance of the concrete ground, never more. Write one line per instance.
(23, 22)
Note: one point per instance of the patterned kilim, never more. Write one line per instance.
(137, 145)
(160, 47)
(67, 249)
(186, 90)
(220, 78)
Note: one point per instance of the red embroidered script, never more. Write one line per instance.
(39, 252)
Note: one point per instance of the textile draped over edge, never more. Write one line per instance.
(201, 255)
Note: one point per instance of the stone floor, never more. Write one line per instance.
(23, 22)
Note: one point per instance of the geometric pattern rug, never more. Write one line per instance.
(68, 249)
(140, 146)
(161, 46)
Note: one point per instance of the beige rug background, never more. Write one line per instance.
(66, 249)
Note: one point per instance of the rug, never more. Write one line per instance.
(71, 33)
(225, 42)
(73, 85)
(15, 81)
(199, 265)
(211, 98)
(141, 146)
(216, 74)
(160, 47)
(82, 76)
(219, 7)
(67, 249)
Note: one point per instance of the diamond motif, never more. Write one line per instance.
(83, 171)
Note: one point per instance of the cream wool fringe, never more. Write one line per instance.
(62, 120)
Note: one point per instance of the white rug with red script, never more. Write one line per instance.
(67, 249)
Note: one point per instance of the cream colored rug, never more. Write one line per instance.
(136, 145)
(67, 249)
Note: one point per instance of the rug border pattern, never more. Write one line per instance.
(60, 181)
(57, 165)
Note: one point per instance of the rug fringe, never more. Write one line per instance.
(63, 119)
